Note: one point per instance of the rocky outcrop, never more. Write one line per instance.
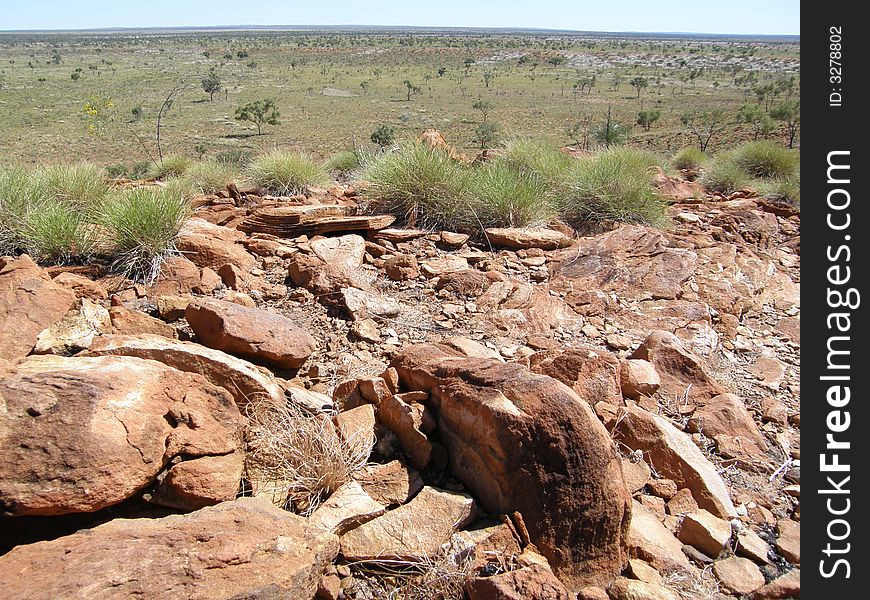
(250, 332)
(101, 429)
(593, 374)
(29, 303)
(241, 549)
(517, 238)
(567, 482)
(209, 245)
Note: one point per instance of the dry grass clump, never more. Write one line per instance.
(298, 459)
(441, 577)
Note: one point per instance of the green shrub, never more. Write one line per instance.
(343, 162)
(614, 186)
(689, 158)
(237, 157)
(209, 176)
(140, 226)
(286, 173)
(764, 158)
(171, 166)
(783, 189)
(82, 185)
(423, 186)
(724, 175)
(504, 196)
(57, 231)
(20, 193)
(538, 158)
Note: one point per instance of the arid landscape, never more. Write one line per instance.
(399, 314)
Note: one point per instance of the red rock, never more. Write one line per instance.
(593, 374)
(570, 490)
(642, 571)
(347, 508)
(707, 533)
(102, 428)
(527, 583)
(740, 576)
(209, 281)
(675, 456)
(663, 488)
(725, 414)
(750, 545)
(467, 282)
(636, 474)
(406, 421)
(638, 378)
(390, 484)
(75, 331)
(208, 245)
(402, 267)
(329, 588)
(134, 322)
(632, 589)
(178, 275)
(234, 549)
(29, 303)
(517, 238)
(81, 286)
(250, 332)
(784, 587)
(788, 540)
(682, 502)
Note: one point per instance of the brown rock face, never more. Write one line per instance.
(638, 378)
(245, 548)
(675, 457)
(29, 302)
(725, 417)
(528, 583)
(100, 429)
(178, 275)
(593, 374)
(250, 332)
(81, 286)
(134, 322)
(208, 245)
(738, 575)
(651, 541)
(517, 238)
(566, 482)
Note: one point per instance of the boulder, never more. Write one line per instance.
(81, 286)
(467, 282)
(750, 545)
(682, 502)
(567, 482)
(407, 422)
(638, 378)
(75, 331)
(29, 303)
(534, 582)
(250, 332)
(209, 245)
(784, 587)
(788, 540)
(674, 456)
(413, 532)
(516, 238)
(178, 275)
(401, 267)
(726, 415)
(246, 548)
(636, 474)
(641, 570)
(651, 541)
(83, 433)
(344, 253)
(134, 322)
(361, 304)
(593, 374)
(740, 576)
(681, 371)
(347, 508)
(703, 531)
(243, 380)
(391, 483)
(633, 589)
(450, 263)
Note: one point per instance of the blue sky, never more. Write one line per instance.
(700, 16)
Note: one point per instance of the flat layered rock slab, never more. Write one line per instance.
(246, 548)
(413, 531)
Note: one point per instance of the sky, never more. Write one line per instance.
(698, 16)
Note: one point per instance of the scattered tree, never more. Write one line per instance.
(646, 118)
(557, 60)
(704, 125)
(610, 132)
(486, 134)
(789, 112)
(639, 83)
(484, 106)
(411, 89)
(259, 112)
(487, 77)
(383, 136)
(442, 71)
(753, 114)
(211, 84)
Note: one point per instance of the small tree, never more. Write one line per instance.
(646, 118)
(259, 112)
(639, 83)
(610, 132)
(365, 85)
(704, 125)
(442, 71)
(484, 106)
(383, 136)
(579, 132)
(211, 84)
(411, 89)
(753, 114)
(790, 113)
(486, 134)
(487, 77)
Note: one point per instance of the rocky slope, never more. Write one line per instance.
(611, 416)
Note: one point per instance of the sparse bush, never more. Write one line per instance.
(614, 186)
(783, 189)
(383, 136)
(260, 112)
(343, 162)
(724, 175)
(766, 159)
(504, 196)
(237, 157)
(211, 83)
(57, 232)
(486, 134)
(209, 176)
(297, 458)
(171, 166)
(423, 186)
(689, 158)
(81, 184)
(140, 226)
(286, 173)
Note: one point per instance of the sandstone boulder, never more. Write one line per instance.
(75, 331)
(209, 245)
(569, 490)
(593, 374)
(81, 286)
(738, 575)
(347, 508)
(633, 589)
(250, 332)
(133, 322)
(178, 275)
(516, 238)
(390, 484)
(638, 378)
(79, 434)
(651, 541)
(674, 456)
(241, 549)
(29, 303)
(527, 583)
(705, 532)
